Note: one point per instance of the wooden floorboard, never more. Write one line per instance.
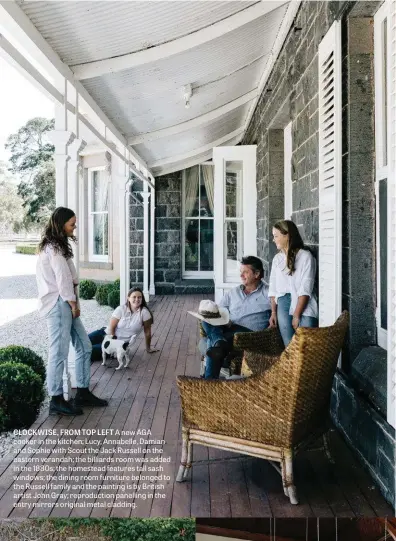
(221, 484)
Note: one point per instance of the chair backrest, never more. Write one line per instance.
(311, 361)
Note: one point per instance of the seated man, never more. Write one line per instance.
(249, 310)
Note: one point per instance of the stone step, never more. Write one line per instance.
(189, 287)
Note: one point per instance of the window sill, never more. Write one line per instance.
(96, 265)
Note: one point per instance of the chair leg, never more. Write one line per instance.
(189, 461)
(181, 475)
(287, 472)
(283, 473)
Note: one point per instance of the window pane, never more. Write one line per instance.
(383, 250)
(207, 191)
(233, 246)
(99, 191)
(206, 245)
(233, 189)
(100, 233)
(191, 196)
(191, 245)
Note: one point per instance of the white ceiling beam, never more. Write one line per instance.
(284, 28)
(199, 158)
(197, 151)
(201, 120)
(16, 22)
(176, 46)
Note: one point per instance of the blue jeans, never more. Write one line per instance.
(61, 329)
(285, 319)
(96, 339)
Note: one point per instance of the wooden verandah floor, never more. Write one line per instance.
(223, 484)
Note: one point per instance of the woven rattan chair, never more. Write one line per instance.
(272, 413)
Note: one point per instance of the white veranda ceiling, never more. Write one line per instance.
(135, 57)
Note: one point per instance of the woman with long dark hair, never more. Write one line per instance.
(127, 321)
(57, 283)
(292, 281)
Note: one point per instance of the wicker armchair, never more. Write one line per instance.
(268, 340)
(272, 413)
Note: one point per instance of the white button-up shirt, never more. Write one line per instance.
(300, 283)
(56, 276)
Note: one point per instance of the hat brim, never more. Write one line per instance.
(215, 321)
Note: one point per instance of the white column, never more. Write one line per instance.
(122, 179)
(61, 139)
(152, 241)
(146, 197)
(73, 181)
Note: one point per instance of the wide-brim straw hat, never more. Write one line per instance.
(211, 313)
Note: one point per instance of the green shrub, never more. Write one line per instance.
(87, 289)
(102, 293)
(30, 250)
(116, 284)
(113, 298)
(20, 354)
(21, 393)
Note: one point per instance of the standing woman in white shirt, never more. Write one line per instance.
(292, 280)
(57, 283)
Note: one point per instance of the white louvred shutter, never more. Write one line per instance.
(330, 171)
(391, 413)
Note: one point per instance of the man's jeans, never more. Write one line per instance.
(61, 328)
(285, 320)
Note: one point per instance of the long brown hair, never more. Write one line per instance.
(287, 227)
(143, 305)
(54, 234)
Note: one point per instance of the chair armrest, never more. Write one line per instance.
(253, 363)
(265, 341)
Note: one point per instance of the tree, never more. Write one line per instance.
(32, 158)
(12, 213)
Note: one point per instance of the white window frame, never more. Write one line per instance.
(95, 257)
(288, 180)
(191, 275)
(382, 141)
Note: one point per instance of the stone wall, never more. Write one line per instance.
(136, 226)
(291, 95)
(168, 210)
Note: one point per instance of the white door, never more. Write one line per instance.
(235, 201)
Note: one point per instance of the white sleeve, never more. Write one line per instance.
(63, 276)
(117, 314)
(272, 281)
(307, 275)
(225, 301)
(145, 315)
(73, 271)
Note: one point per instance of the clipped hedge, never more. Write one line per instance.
(102, 293)
(113, 298)
(20, 354)
(21, 393)
(87, 289)
(21, 249)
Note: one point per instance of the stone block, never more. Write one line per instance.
(161, 262)
(161, 211)
(159, 276)
(168, 250)
(368, 373)
(361, 79)
(173, 211)
(161, 237)
(360, 35)
(171, 275)
(166, 224)
(162, 288)
(136, 237)
(136, 263)
(168, 198)
(361, 118)
(136, 211)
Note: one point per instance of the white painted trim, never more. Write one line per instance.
(382, 169)
(287, 22)
(201, 120)
(176, 46)
(197, 151)
(152, 242)
(91, 255)
(146, 196)
(288, 181)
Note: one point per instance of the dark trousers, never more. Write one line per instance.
(215, 334)
(96, 338)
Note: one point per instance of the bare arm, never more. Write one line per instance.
(301, 305)
(147, 336)
(273, 322)
(113, 325)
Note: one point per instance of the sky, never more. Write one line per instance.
(19, 102)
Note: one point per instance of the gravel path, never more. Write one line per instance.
(20, 323)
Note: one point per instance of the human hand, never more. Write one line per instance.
(273, 320)
(76, 313)
(295, 322)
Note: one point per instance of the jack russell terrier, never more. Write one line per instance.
(120, 349)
